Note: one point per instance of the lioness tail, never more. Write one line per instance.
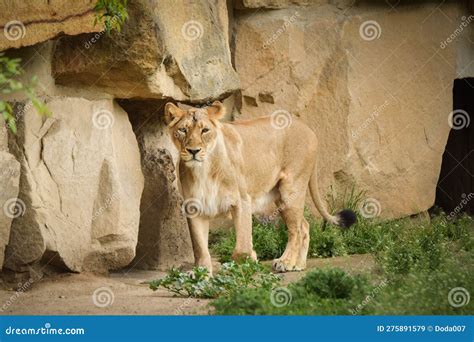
(344, 218)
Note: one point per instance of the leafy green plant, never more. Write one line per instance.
(111, 13)
(230, 277)
(420, 262)
(320, 292)
(328, 283)
(412, 246)
(325, 243)
(10, 71)
(423, 291)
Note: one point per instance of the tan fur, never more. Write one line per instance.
(242, 168)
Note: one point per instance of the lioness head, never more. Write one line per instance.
(194, 131)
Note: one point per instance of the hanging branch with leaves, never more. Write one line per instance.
(111, 13)
(10, 71)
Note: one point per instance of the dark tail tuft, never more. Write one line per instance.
(346, 218)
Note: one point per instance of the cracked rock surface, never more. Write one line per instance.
(81, 184)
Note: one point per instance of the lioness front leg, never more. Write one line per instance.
(242, 216)
(199, 228)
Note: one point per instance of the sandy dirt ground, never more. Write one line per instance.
(125, 293)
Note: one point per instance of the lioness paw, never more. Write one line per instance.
(242, 256)
(280, 265)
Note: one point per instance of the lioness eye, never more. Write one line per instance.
(182, 130)
(204, 130)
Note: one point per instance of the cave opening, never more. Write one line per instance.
(455, 188)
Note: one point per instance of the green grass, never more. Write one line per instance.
(417, 264)
(327, 291)
(270, 241)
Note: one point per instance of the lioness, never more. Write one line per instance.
(246, 167)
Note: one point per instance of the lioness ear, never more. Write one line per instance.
(216, 110)
(172, 114)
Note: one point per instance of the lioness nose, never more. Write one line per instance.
(193, 151)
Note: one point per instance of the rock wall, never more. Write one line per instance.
(376, 92)
(93, 187)
(25, 23)
(81, 180)
(9, 186)
(164, 238)
(163, 52)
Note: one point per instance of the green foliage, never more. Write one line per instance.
(230, 277)
(419, 260)
(401, 242)
(348, 199)
(366, 236)
(329, 283)
(325, 243)
(222, 243)
(420, 263)
(460, 230)
(10, 70)
(111, 13)
(269, 241)
(320, 292)
(412, 246)
(425, 291)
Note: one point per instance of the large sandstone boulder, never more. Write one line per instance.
(163, 239)
(166, 49)
(9, 185)
(376, 92)
(80, 183)
(24, 23)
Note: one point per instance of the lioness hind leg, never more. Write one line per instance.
(292, 214)
(301, 262)
(242, 216)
